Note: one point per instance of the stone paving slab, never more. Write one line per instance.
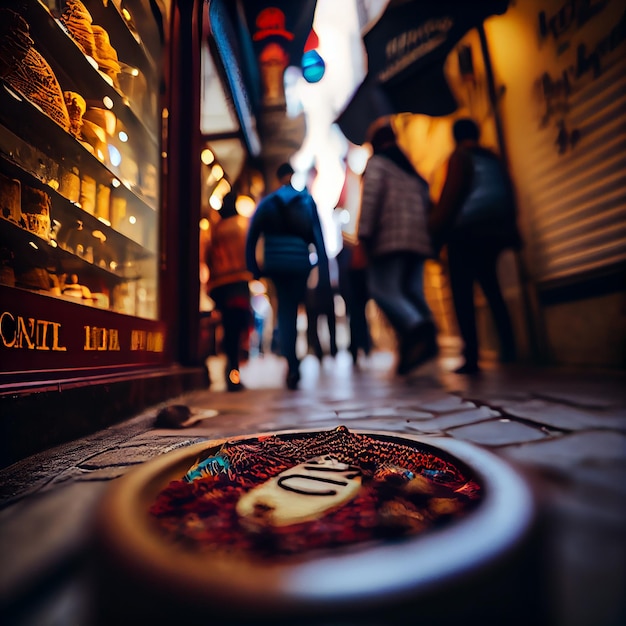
(168, 439)
(450, 420)
(78, 474)
(604, 400)
(497, 433)
(128, 455)
(571, 450)
(26, 476)
(393, 425)
(562, 416)
(446, 404)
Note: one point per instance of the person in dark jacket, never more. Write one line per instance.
(288, 221)
(475, 217)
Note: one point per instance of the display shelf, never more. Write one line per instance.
(81, 204)
(30, 125)
(76, 72)
(131, 45)
(119, 245)
(38, 252)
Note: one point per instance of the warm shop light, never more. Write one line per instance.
(105, 221)
(132, 219)
(217, 172)
(205, 224)
(204, 273)
(222, 188)
(113, 266)
(108, 103)
(207, 157)
(98, 234)
(215, 202)
(245, 205)
(127, 16)
(114, 155)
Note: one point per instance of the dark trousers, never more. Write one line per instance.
(396, 282)
(355, 293)
(235, 322)
(357, 297)
(230, 301)
(290, 293)
(473, 261)
(320, 304)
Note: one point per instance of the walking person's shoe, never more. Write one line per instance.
(293, 378)
(355, 356)
(419, 346)
(233, 381)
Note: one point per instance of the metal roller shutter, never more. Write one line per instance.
(580, 220)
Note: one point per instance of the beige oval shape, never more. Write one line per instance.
(302, 493)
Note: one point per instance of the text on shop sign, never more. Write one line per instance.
(30, 333)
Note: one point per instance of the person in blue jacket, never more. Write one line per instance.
(288, 221)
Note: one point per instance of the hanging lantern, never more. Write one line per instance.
(313, 66)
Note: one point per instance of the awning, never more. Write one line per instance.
(407, 49)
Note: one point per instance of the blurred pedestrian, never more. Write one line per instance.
(353, 289)
(394, 233)
(320, 304)
(476, 219)
(228, 285)
(262, 311)
(288, 221)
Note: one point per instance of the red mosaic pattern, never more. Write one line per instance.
(407, 489)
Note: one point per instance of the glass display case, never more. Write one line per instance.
(80, 162)
(79, 154)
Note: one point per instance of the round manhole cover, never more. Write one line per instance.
(294, 523)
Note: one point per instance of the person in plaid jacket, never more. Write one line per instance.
(394, 234)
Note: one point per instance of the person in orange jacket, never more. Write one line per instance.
(228, 284)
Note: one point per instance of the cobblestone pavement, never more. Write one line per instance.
(564, 430)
